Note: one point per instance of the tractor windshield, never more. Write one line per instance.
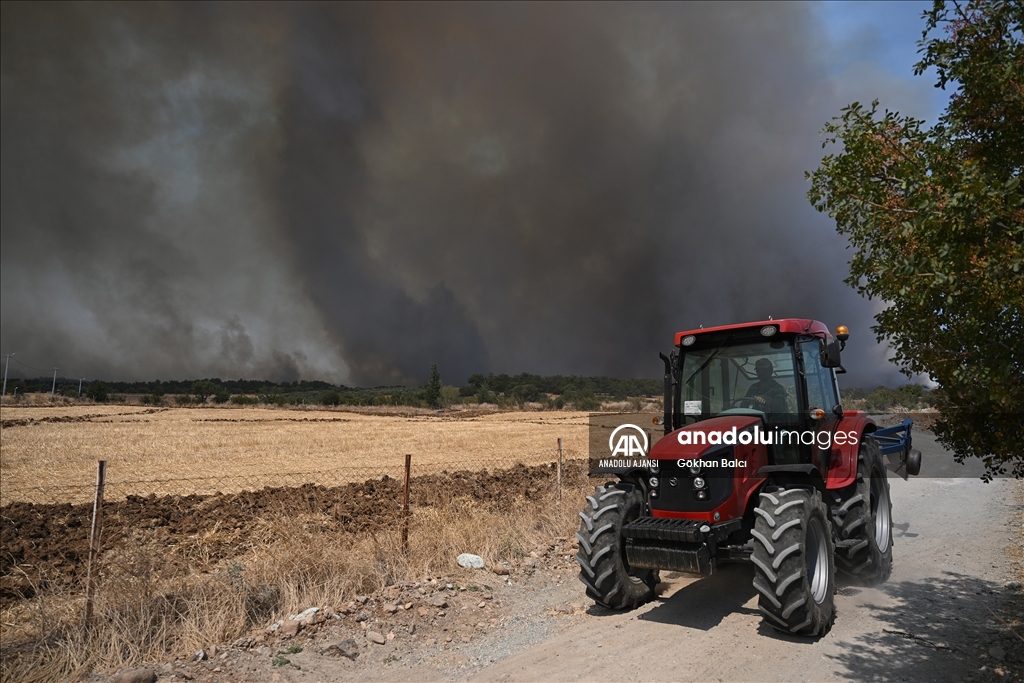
(745, 378)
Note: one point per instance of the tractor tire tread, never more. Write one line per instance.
(857, 552)
(781, 537)
(601, 557)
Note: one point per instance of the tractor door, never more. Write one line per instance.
(820, 391)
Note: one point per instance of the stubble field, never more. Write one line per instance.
(242, 515)
(49, 454)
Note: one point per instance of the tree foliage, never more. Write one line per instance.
(448, 396)
(203, 389)
(432, 394)
(936, 218)
(97, 391)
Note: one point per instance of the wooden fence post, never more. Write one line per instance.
(94, 539)
(559, 470)
(405, 505)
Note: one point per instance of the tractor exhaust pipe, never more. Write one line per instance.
(667, 420)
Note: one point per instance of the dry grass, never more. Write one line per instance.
(148, 611)
(256, 445)
(150, 608)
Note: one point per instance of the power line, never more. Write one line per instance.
(27, 365)
(32, 367)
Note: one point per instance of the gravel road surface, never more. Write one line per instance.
(930, 622)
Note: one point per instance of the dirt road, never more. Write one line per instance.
(930, 622)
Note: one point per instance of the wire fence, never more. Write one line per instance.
(55, 535)
(118, 488)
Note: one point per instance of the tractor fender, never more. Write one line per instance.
(794, 475)
(842, 465)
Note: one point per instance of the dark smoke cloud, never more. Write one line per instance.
(353, 192)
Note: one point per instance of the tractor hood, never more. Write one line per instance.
(698, 439)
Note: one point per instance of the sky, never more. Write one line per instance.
(353, 192)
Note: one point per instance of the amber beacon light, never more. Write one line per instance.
(842, 333)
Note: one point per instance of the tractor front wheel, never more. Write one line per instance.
(794, 569)
(602, 558)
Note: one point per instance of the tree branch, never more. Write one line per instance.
(884, 208)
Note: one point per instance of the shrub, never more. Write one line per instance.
(587, 403)
(448, 396)
(582, 399)
(526, 393)
(203, 389)
(97, 391)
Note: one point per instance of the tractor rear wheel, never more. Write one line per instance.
(602, 558)
(864, 519)
(794, 570)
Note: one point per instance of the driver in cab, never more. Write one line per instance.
(766, 394)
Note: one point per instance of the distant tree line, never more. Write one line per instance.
(159, 388)
(546, 391)
(884, 399)
(555, 391)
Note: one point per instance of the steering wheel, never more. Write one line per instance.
(746, 402)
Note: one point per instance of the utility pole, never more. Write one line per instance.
(53, 389)
(6, 365)
(80, 387)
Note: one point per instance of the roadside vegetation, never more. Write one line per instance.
(935, 217)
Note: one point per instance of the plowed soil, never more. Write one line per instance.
(46, 545)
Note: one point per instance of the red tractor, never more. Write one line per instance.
(759, 462)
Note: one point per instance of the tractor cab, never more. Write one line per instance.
(782, 372)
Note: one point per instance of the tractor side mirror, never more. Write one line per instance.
(830, 351)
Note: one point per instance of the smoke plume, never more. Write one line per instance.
(353, 192)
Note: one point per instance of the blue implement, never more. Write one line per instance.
(895, 443)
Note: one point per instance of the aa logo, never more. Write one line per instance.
(628, 442)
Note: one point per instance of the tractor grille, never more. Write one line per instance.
(679, 530)
(657, 529)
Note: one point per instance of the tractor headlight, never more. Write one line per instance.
(694, 470)
(698, 483)
(653, 481)
(654, 466)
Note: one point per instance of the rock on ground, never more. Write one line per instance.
(470, 561)
(134, 676)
